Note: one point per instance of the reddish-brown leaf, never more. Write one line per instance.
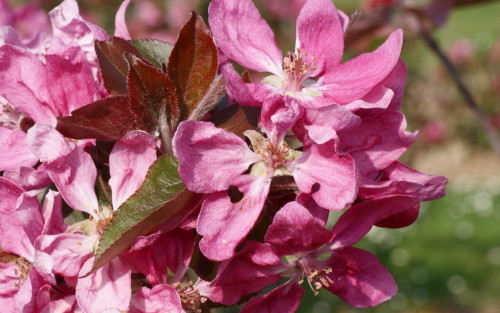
(106, 119)
(192, 67)
(151, 93)
(114, 67)
(237, 119)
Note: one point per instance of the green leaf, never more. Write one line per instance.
(160, 201)
(155, 51)
(114, 67)
(193, 66)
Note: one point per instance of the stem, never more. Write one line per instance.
(469, 99)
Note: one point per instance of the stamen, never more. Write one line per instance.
(296, 67)
(190, 297)
(9, 116)
(23, 270)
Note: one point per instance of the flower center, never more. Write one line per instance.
(190, 297)
(296, 68)
(23, 270)
(9, 116)
(316, 273)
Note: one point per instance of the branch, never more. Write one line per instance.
(469, 99)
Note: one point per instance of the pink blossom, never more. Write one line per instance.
(352, 274)
(74, 173)
(23, 222)
(29, 20)
(212, 160)
(36, 78)
(312, 74)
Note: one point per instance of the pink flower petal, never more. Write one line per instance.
(237, 90)
(283, 299)
(159, 299)
(378, 98)
(9, 193)
(295, 231)
(278, 115)
(319, 214)
(323, 124)
(129, 162)
(403, 180)
(68, 251)
(121, 29)
(241, 33)
(359, 278)
(52, 214)
(377, 142)
(68, 25)
(210, 158)
(28, 178)
(47, 143)
(224, 224)
(69, 70)
(354, 79)
(28, 212)
(336, 176)
(15, 150)
(250, 270)
(148, 256)
(16, 236)
(320, 34)
(75, 175)
(9, 276)
(359, 219)
(106, 290)
(24, 86)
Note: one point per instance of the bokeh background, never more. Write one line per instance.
(449, 260)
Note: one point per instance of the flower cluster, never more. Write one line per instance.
(144, 177)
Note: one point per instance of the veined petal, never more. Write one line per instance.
(28, 178)
(294, 230)
(336, 176)
(320, 34)
(15, 150)
(282, 299)
(323, 124)
(9, 275)
(359, 219)
(250, 270)
(377, 142)
(52, 214)
(47, 143)
(403, 180)
(354, 79)
(23, 81)
(236, 89)
(68, 251)
(359, 278)
(129, 162)
(224, 224)
(241, 33)
(106, 290)
(75, 175)
(210, 158)
(159, 299)
(278, 115)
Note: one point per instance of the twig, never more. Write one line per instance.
(469, 99)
